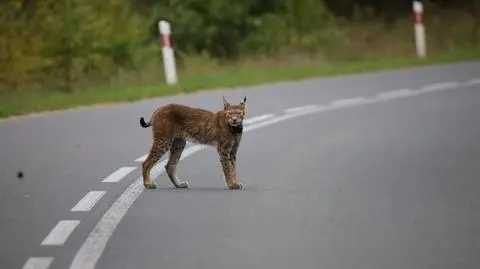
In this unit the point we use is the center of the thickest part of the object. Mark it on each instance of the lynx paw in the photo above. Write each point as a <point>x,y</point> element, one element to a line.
<point>235,186</point>
<point>183,185</point>
<point>150,186</point>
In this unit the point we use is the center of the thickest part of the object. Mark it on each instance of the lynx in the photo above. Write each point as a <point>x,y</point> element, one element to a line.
<point>175,124</point>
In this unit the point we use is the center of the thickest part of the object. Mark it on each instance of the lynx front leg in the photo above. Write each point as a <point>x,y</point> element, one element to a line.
<point>233,152</point>
<point>229,170</point>
<point>176,149</point>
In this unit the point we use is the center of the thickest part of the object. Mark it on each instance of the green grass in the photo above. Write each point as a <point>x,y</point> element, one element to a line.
<point>234,75</point>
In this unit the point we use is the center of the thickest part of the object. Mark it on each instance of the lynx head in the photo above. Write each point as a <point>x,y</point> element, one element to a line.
<point>234,113</point>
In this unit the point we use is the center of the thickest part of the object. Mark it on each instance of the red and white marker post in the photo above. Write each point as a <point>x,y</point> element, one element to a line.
<point>420,41</point>
<point>167,51</point>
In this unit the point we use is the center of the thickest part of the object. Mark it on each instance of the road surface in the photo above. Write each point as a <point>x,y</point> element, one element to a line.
<point>364,171</point>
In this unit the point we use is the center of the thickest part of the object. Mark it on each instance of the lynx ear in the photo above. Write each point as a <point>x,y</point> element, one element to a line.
<point>226,104</point>
<point>243,103</point>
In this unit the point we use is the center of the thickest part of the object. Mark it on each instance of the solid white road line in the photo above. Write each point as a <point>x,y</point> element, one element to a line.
<point>395,94</point>
<point>142,158</point>
<point>119,174</point>
<point>38,263</point>
<point>349,101</point>
<point>258,118</point>
<point>440,86</point>
<point>300,108</point>
<point>189,145</point>
<point>60,232</point>
<point>472,82</point>
<point>93,247</point>
<point>88,201</point>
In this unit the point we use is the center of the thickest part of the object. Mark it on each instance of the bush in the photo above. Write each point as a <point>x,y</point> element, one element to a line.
<point>63,45</point>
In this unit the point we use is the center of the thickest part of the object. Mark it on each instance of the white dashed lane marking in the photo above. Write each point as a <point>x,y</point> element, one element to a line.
<point>88,201</point>
<point>38,263</point>
<point>119,174</point>
<point>60,232</point>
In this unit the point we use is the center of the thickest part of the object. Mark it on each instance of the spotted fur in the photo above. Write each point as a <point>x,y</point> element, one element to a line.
<point>175,124</point>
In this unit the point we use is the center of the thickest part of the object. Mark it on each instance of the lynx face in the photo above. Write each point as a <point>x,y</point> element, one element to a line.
<point>234,114</point>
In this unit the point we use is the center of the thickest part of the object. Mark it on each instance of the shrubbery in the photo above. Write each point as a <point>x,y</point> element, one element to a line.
<point>65,44</point>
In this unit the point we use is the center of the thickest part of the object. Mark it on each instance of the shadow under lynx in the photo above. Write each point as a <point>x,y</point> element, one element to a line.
<point>175,124</point>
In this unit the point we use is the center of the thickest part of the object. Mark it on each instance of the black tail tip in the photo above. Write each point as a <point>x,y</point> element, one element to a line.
<point>143,123</point>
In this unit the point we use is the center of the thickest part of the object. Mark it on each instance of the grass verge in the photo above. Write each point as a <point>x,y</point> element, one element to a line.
<point>22,103</point>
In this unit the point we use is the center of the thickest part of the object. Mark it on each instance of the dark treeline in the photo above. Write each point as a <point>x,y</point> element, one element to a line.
<point>54,44</point>
<point>389,8</point>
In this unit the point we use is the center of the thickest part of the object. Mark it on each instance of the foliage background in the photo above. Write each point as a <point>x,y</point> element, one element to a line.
<point>65,45</point>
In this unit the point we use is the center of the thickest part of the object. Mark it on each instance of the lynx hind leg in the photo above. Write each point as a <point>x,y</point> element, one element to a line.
<point>176,149</point>
<point>158,149</point>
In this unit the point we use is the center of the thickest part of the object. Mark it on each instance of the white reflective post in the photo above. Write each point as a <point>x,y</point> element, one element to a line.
<point>167,51</point>
<point>420,41</point>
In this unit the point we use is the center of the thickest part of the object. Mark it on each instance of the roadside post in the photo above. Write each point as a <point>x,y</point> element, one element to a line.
<point>420,41</point>
<point>167,52</point>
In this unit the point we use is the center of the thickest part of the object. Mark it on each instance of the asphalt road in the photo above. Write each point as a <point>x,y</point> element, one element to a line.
<point>392,183</point>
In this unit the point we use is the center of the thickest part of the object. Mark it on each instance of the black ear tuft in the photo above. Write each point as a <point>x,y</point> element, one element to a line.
<point>244,99</point>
